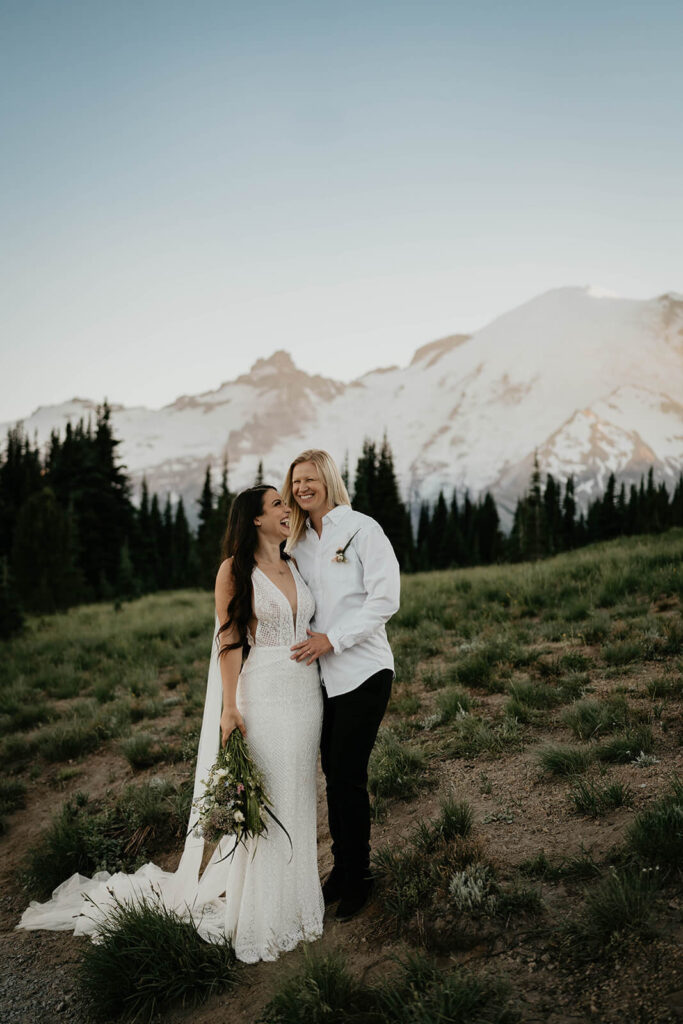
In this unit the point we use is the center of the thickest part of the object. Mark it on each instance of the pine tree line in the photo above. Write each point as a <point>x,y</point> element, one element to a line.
<point>70,532</point>
<point>546,520</point>
<point>448,533</point>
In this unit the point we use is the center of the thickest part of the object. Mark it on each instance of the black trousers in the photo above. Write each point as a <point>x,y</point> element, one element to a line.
<point>350,725</point>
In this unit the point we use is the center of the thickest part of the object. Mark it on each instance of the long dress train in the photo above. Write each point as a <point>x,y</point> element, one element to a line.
<point>273,898</point>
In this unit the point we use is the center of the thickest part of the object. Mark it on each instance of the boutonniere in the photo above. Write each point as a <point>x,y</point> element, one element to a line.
<point>340,553</point>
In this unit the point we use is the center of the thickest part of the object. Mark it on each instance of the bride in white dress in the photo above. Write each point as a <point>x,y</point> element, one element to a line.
<point>266,897</point>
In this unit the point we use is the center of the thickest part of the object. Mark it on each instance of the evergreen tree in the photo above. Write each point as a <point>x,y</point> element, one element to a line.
<point>211,535</point>
<point>21,475</point>
<point>662,519</point>
<point>168,571</point>
<point>552,516</point>
<point>581,531</point>
<point>145,555</point>
<point>620,510</point>
<point>225,499</point>
<point>127,583</point>
<point>593,521</point>
<point>43,559</point>
<point>489,537</point>
<point>365,484</point>
<point>389,510</point>
<point>11,615</point>
<point>208,542</point>
<point>156,531</point>
<point>259,474</point>
<point>641,509</point>
<point>206,502</point>
<point>517,541</point>
<point>182,548</point>
<point>651,523</point>
<point>84,474</point>
<point>113,488</point>
<point>631,519</point>
<point>469,532</point>
<point>676,510</point>
<point>453,541</point>
<point>437,541</point>
<point>607,526</point>
<point>569,515</point>
<point>424,527</point>
<point>535,519</point>
<point>376,494</point>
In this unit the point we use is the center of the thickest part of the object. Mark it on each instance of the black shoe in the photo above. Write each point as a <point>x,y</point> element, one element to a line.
<point>355,900</point>
<point>333,886</point>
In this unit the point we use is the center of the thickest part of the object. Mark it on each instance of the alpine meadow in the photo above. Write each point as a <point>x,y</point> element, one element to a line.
<point>527,798</point>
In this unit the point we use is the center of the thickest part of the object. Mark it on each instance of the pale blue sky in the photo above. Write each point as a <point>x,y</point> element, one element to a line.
<point>188,186</point>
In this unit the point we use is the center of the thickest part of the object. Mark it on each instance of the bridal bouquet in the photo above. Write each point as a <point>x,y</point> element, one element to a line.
<point>235,802</point>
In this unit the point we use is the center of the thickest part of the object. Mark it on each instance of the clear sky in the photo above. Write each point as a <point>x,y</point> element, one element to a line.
<point>187,186</point>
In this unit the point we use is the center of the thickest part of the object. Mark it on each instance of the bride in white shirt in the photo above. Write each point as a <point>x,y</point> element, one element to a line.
<point>350,567</point>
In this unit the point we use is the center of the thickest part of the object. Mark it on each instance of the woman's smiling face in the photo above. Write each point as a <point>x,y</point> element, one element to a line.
<point>274,519</point>
<point>308,489</point>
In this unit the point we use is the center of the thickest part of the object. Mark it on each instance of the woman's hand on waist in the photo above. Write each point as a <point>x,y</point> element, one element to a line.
<point>308,650</point>
<point>231,719</point>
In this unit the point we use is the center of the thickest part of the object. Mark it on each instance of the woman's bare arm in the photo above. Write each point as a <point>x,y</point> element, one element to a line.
<point>231,661</point>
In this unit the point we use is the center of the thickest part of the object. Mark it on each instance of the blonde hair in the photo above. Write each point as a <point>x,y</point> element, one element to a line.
<point>330,476</point>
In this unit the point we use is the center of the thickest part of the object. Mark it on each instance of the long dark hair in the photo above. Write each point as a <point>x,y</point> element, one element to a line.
<point>239,543</point>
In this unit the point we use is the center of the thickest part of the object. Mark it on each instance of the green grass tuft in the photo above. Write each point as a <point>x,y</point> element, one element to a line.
<point>395,769</point>
<point>427,994</point>
<point>455,820</point>
<point>12,795</point>
<point>563,760</point>
<point>622,653</point>
<point>589,718</point>
<point>656,835</point>
<point>471,736</point>
<point>621,903</point>
<point>325,992</point>
<point>141,750</point>
<point>535,695</point>
<point>590,798</point>
<point>147,959</point>
<point>626,748</point>
<point>17,751</point>
<point>453,702</point>
<point>665,687</point>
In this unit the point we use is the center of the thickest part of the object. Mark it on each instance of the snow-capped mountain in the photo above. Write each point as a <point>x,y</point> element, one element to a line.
<point>592,382</point>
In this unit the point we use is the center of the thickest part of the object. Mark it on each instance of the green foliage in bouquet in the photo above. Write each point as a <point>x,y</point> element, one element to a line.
<point>235,801</point>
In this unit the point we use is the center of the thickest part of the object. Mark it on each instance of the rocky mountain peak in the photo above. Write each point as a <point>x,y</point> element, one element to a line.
<point>279,362</point>
<point>433,351</point>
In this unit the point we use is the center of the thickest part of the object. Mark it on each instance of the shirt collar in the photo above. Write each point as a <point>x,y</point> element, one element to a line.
<point>333,516</point>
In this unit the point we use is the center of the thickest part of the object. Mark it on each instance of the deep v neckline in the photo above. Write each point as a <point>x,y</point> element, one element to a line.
<point>295,613</point>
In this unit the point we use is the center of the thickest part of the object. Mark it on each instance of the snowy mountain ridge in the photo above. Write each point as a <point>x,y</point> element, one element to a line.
<point>592,382</point>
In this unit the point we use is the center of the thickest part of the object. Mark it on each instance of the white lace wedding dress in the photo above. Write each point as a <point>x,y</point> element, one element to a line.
<point>273,898</point>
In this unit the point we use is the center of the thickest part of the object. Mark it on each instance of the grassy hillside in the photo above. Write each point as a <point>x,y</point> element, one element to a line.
<point>527,805</point>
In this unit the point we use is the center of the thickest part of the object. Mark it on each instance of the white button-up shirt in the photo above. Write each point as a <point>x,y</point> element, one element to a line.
<point>353,598</point>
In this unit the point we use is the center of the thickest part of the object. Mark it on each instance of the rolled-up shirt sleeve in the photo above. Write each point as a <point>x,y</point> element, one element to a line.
<point>382,583</point>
